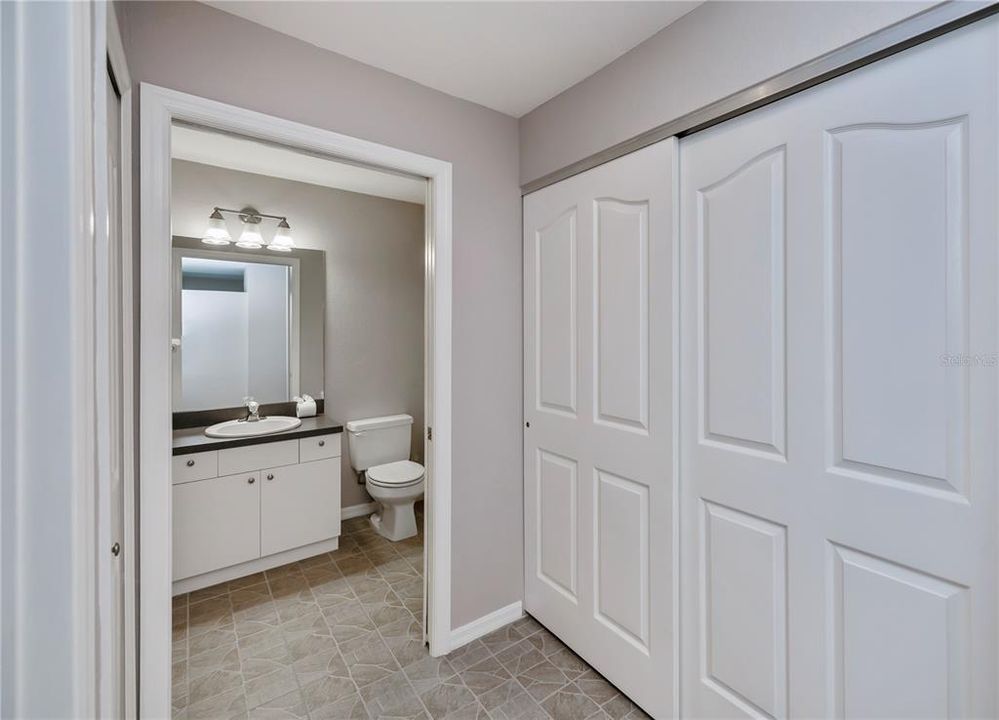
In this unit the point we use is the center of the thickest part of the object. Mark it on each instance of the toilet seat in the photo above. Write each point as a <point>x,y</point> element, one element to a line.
<point>395,474</point>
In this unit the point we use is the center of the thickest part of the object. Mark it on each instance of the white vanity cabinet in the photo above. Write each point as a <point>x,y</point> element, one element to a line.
<point>241,510</point>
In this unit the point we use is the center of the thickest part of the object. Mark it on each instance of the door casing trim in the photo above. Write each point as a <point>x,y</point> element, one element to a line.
<point>161,107</point>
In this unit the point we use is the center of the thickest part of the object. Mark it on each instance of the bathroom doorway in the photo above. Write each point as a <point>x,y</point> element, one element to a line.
<point>302,370</point>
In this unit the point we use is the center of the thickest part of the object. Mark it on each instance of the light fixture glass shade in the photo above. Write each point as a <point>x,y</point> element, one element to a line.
<point>216,233</point>
<point>282,241</point>
<point>250,239</point>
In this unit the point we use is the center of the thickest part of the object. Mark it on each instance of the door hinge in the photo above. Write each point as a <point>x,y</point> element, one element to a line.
<point>430,433</point>
<point>116,550</point>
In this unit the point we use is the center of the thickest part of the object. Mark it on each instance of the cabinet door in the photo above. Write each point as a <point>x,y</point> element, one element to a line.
<point>216,523</point>
<point>300,504</point>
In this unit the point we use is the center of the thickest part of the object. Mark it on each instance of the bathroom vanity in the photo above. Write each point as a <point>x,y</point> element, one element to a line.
<point>242,505</point>
<point>248,336</point>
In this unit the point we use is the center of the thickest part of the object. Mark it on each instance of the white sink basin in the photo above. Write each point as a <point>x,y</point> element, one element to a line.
<point>244,428</point>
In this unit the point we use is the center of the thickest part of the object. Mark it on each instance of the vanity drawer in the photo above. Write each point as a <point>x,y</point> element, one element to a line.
<point>319,447</point>
<point>196,466</point>
<point>258,457</point>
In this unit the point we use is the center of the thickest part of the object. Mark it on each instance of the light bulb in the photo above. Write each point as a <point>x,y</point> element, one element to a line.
<point>216,233</point>
<point>282,241</point>
<point>250,239</point>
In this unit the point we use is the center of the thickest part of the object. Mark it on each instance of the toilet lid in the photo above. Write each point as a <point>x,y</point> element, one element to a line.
<point>396,474</point>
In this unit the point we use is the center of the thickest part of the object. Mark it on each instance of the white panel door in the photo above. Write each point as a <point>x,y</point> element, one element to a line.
<point>598,442</point>
<point>839,396</point>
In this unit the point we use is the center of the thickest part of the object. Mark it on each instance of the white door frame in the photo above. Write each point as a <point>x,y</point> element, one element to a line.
<point>128,685</point>
<point>160,108</point>
<point>51,93</point>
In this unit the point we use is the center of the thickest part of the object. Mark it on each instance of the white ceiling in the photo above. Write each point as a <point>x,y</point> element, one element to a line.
<point>245,155</point>
<point>508,56</point>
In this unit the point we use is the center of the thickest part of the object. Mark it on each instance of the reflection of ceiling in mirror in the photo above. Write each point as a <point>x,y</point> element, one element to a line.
<point>245,155</point>
<point>213,267</point>
<point>216,275</point>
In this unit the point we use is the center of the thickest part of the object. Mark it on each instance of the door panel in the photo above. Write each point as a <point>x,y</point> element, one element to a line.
<point>555,283</point>
<point>621,567</point>
<point>882,668</point>
<point>741,236</point>
<point>744,585</point>
<point>897,192</point>
<point>557,491</point>
<point>620,241</point>
<point>216,523</point>
<point>838,419</point>
<point>598,446</point>
<point>299,505</point>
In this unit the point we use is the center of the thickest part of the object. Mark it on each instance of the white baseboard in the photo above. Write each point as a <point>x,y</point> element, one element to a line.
<point>486,624</point>
<point>353,511</point>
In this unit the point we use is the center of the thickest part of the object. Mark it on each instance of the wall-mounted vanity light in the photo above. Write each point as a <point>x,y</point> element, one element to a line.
<point>250,239</point>
<point>216,233</point>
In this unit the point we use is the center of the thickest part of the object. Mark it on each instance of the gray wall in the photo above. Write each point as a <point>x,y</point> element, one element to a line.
<point>718,48</point>
<point>197,49</point>
<point>374,286</point>
<point>715,50</point>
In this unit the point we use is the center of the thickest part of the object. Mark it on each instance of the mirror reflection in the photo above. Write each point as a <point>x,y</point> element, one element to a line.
<point>238,326</point>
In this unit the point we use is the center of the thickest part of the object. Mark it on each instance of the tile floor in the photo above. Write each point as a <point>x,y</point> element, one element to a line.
<point>338,637</point>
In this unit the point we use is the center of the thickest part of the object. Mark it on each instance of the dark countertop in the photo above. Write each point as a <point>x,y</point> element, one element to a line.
<point>193,440</point>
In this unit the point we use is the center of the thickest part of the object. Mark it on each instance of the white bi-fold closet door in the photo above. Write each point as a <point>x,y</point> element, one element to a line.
<point>838,372</point>
<point>598,446</point>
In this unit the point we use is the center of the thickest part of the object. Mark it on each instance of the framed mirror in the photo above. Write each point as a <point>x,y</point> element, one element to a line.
<point>245,324</point>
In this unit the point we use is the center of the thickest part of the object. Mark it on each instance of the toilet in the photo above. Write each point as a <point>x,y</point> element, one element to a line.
<point>379,448</point>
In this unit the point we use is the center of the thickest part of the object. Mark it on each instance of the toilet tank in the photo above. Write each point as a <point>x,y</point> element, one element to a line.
<point>379,440</point>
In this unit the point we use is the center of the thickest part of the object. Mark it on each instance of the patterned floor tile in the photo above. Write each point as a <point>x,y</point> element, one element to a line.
<point>231,704</point>
<point>485,676</point>
<point>290,706</point>
<point>499,640</point>
<point>445,698</point>
<point>393,697</point>
<point>370,661</point>
<point>542,680</point>
<point>569,663</point>
<point>520,657</point>
<point>265,688</point>
<point>328,663</point>
<point>325,692</point>
<point>339,636</point>
<point>570,703</point>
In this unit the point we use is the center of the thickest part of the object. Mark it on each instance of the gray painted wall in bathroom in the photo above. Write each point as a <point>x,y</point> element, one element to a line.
<point>374,286</point>
<point>193,48</point>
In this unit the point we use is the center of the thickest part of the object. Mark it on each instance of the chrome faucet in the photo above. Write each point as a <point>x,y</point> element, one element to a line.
<point>252,410</point>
